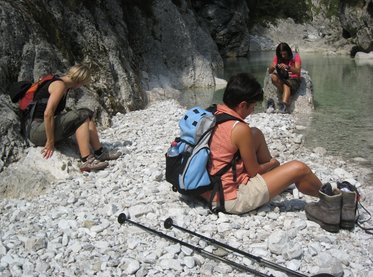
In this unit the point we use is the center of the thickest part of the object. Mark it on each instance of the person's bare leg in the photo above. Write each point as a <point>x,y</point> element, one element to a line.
<point>82,138</point>
<point>260,145</point>
<point>277,82</point>
<point>296,172</point>
<point>286,94</point>
<point>93,136</point>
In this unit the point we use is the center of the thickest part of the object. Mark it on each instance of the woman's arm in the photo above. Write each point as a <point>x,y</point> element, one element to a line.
<point>272,67</point>
<point>296,69</point>
<point>56,90</point>
<point>242,137</point>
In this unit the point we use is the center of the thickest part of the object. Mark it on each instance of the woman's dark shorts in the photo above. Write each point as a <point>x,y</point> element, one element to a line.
<point>65,125</point>
<point>294,85</point>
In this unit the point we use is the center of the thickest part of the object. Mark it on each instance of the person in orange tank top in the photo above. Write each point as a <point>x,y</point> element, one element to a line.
<point>259,176</point>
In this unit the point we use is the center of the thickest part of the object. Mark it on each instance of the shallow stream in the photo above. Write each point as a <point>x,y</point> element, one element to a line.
<point>342,122</point>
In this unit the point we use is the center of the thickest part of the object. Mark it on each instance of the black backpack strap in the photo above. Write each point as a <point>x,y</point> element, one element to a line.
<point>216,178</point>
<point>212,109</point>
<point>218,186</point>
<point>360,222</point>
<point>223,117</point>
<point>28,116</point>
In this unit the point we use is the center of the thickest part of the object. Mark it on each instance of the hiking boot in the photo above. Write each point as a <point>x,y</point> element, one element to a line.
<point>108,155</point>
<point>270,106</point>
<point>326,212</point>
<point>282,108</point>
<point>349,205</point>
<point>92,164</point>
<point>327,189</point>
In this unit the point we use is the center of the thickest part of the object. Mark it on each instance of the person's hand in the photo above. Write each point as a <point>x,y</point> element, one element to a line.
<point>283,66</point>
<point>275,162</point>
<point>48,150</point>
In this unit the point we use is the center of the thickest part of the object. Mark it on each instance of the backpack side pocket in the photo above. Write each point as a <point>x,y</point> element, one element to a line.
<point>195,176</point>
<point>173,169</point>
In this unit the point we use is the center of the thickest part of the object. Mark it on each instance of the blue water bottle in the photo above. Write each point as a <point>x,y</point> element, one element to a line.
<point>173,151</point>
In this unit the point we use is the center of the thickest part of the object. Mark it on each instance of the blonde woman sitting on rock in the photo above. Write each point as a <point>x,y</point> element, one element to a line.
<point>50,124</point>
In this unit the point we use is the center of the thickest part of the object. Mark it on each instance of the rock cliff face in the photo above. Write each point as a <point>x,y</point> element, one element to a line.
<point>227,22</point>
<point>357,21</point>
<point>145,50</point>
<point>132,46</point>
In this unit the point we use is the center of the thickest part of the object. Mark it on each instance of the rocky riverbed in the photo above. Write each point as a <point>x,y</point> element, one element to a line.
<point>67,225</point>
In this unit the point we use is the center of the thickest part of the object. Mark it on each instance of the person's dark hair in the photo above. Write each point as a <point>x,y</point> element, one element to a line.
<point>283,46</point>
<point>242,87</point>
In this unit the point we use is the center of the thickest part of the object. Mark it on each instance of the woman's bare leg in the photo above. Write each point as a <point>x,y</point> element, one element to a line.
<point>277,82</point>
<point>282,88</point>
<point>286,94</point>
<point>82,138</point>
<point>93,136</point>
<point>296,172</point>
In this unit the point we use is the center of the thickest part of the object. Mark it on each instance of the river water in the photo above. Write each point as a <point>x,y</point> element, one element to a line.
<point>342,122</point>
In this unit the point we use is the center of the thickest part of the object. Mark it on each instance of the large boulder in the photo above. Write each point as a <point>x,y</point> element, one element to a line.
<point>33,175</point>
<point>228,23</point>
<point>357,21</point>
<point>301,101</point>
<point>11,141</point>
<point>320,35</point>
<point>362,58</point>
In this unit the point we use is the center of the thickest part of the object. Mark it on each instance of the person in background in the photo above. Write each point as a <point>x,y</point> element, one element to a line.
<point>51,125</point>
<point>285,73</point>
<point>258,177</point>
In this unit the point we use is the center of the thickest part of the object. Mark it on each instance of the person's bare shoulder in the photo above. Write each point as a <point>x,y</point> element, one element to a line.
<point>57,86</point>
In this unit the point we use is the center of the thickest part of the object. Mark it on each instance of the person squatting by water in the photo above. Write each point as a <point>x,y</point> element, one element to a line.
<point>285,73</point>
<point>259,176</point>
<point>51,125</point>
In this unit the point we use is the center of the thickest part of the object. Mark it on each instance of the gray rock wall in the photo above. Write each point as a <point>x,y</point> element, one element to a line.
<point>143,50</point>
<point>132,47</point>
<point>227,22</point>
<point>357,20</point>
<point>334,27</point>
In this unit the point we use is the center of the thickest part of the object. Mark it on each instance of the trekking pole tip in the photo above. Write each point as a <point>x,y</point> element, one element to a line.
<point>122,218</point>
<point>168,223</point>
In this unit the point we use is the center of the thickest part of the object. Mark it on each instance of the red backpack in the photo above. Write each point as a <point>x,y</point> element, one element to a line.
<point>23,92</point>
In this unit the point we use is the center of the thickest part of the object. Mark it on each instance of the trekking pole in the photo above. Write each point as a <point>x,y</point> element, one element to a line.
<point>169,223</point>
<point>122,218</point>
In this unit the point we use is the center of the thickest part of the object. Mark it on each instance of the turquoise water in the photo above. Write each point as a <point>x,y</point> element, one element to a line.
<point>342,121</point>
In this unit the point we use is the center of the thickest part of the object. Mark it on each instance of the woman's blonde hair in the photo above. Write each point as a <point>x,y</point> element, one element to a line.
<point>79,73</point>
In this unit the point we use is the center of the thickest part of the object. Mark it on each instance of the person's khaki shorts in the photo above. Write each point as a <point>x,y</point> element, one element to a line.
<point>249,196</point>
<point>65,125</point>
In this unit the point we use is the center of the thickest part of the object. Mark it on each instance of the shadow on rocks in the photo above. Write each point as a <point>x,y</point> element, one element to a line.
<point>291,205</point>
<point>284,205</point>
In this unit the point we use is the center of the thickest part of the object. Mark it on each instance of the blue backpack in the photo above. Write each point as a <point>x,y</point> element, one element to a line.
<point>187,170</point>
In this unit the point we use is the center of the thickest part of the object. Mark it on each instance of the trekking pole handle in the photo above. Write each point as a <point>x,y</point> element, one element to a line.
<point>122,218</point>
<point>168,223</point>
